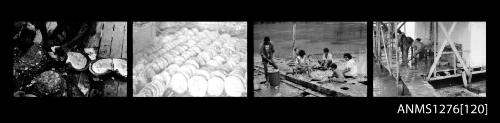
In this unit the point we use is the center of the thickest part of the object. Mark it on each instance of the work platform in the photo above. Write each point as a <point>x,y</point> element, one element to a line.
<point>354,87</point>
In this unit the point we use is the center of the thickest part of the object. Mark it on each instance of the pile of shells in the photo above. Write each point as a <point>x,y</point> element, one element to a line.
<point>192,62</point>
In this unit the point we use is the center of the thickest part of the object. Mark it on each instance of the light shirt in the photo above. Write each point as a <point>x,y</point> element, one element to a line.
<point>329,56</point>
<point>351,64</point>
<point>301,61</point>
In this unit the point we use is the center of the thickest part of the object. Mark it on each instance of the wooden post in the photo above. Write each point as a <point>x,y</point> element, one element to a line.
<point>454,64</point>
<point>118,34</point>
<point>397,55</point>
<point>106,41</point>
<point>400,25</point>
<point>378,41</point>
<point>386,55</point>
<point>293,39</point>
<point>435,44</point>
<point>470,77</point>
<point>375,41</point>
<point>124,45</point>
<point>464,79</point>
<point>397,46</point>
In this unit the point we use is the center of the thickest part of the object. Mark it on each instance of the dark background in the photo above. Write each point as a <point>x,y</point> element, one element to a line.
<point>247,109</point>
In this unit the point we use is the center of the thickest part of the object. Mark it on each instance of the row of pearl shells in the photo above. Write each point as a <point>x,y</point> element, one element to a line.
<point>206,60</point>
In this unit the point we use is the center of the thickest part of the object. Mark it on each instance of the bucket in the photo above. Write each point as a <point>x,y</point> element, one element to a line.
<point>273,79</point>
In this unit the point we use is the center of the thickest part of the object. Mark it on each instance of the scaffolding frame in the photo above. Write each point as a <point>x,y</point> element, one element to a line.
<point>390,43</point>
<point>467,74</point>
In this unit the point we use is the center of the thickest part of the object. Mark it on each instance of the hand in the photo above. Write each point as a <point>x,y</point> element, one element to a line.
<point>52,55</point>
<point>273,64</point>
<point>54,48</point>
<point>346,70</point>
<point>58,52</point>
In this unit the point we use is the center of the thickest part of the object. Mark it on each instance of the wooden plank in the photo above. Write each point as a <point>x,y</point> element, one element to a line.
<point>124,45</point>
<point>326,88</point>
<point>105,44</point>
<point>293,38</point>
<point>397,54</point>
<point>94,40</point>
<point>115,88</point>
<point>399,26</point>
<point>435,43</point>
<point>416,84</point>
<point>99,26</point>
<point>385,50</point>
<point>122,89</point>
<point>379,31</point>
<point>117,40</point>
<point>453,76</point>
<point>110,88</point>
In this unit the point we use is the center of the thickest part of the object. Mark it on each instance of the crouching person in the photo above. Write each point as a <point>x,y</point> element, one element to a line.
<point>337,75</point>
<point>351,69</point>
<point>302,63</point>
